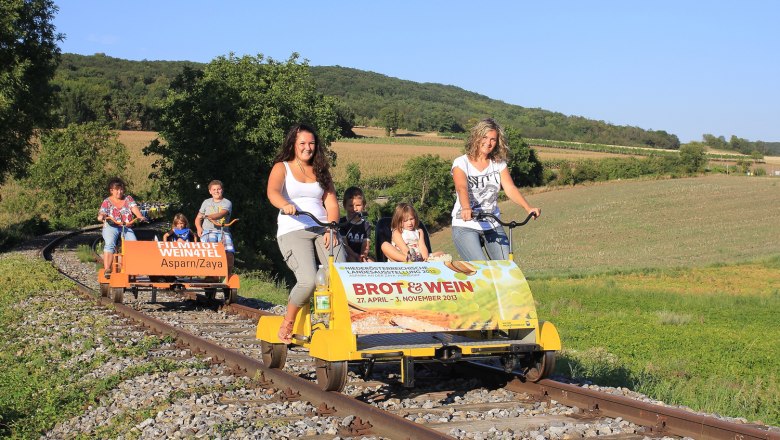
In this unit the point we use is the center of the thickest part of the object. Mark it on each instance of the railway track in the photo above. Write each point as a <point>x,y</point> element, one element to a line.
<point>463,401</point>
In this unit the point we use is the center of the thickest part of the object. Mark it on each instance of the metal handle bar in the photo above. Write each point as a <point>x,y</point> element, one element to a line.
<point>512,224</point>
<point>331,225</point>
<point>125,224</point>
<point>225,225</point>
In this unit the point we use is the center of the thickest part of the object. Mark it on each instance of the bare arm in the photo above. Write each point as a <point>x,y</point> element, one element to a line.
<point>274,190</point>
<point>217,215</point>
<point>514,194</point>
<point>392,253</point>
<point>462,191</point>
<point>332,209</point>
<point>199,223</point>
<point>137,212</point>
<point>364,250</point>
<point>331,204</point>
<point>399,243</point>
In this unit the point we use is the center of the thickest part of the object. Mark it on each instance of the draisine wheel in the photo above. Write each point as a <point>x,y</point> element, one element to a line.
<point>104,290</point>
<point>117,293</point>
<point>231,295</point>
<point>331,375</point>
<point>274,355</point>
<point>542,365</point>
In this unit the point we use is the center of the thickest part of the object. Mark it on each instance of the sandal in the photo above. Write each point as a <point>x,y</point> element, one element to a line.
<point>107,273</point>
<point>285,331</point>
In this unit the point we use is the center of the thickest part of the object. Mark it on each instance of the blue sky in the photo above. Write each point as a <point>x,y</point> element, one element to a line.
<point>682,66</point>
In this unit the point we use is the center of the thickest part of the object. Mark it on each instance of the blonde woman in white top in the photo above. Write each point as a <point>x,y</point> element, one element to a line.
<point>478,176</point>
<point>300,181</point>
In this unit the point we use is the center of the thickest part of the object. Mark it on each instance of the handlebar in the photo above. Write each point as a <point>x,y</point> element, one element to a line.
<point>225,225</point>
<point>125,224</point>
<point>511,224</point>
<point>331,225</point>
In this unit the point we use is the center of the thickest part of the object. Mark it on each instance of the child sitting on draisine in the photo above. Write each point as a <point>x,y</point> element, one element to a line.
<point>408,241</point>
<point>357,230</point>
<point>179,230</point>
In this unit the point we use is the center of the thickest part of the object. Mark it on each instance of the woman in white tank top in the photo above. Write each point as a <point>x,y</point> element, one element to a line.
<point>300,181</point>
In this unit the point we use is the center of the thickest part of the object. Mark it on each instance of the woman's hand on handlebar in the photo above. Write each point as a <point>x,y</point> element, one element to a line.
<point>127,224</point>
<point>288,209</point>
<point>327,239</point>
<point>536,212</point>
<point>510,224</point>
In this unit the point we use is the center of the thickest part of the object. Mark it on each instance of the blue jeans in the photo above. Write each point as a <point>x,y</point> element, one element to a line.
<point>467,241</point>
<point>215,236</point>
<point>111,236</point>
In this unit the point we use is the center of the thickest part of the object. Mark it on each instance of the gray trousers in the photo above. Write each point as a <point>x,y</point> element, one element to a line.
<point>302,250</point>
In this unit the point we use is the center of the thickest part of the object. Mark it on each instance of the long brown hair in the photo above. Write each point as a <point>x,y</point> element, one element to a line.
<point>319,160</point>
<point>401,211</point>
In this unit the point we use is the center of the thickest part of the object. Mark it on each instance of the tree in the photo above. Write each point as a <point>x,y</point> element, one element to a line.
<point>718,143</point>
<point>227,122</point>
<point>391,120</point>
<point>693,157</point>
<point>353,175</point>
<point>70,175</point>
<point>524,167</point>
<point>426,183</point>
<point>28,60</point>
<point>739,144</point>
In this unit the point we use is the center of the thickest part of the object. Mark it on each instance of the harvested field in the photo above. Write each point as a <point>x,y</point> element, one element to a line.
<point>547,153</point>
<point>380,160</point>
<point>140,167</point>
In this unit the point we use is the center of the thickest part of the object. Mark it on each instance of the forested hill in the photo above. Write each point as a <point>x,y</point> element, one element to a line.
<point>125,95</point>
<point>436,107</point>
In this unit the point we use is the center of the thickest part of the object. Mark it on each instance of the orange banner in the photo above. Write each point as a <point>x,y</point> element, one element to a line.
<point>174,258</point>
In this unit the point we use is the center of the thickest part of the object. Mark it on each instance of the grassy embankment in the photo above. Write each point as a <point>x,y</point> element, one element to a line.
<point>58,357</point>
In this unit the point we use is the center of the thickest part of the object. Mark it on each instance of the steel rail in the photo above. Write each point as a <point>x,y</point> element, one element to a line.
<point>369,419</point>
<point>661,420</point>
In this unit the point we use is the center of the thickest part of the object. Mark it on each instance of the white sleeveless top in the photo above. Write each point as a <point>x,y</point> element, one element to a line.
<point>305,197</point>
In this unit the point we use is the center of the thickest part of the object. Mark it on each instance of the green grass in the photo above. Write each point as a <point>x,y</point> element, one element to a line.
<point>263,287</point>
<point>640,224</point>
<point>85,254</point>
<point>43,369</point>
<point>714,351</point>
